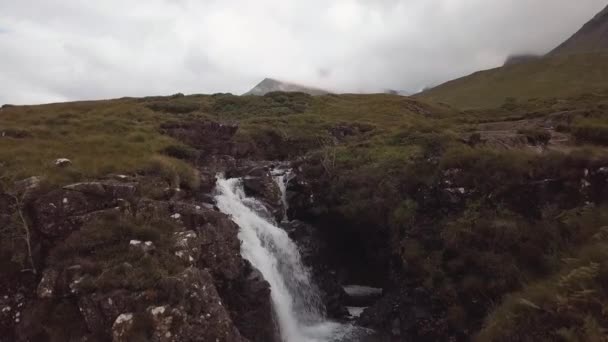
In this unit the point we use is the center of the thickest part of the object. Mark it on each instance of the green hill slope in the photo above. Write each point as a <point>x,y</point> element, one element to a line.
<point>555,76</point>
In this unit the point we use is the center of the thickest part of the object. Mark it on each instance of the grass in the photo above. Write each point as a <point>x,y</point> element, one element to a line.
<point>122,136</point>
<point>109,262</point>
<point>102,137</point>
<point>545,78</point>
<point>385,165</point>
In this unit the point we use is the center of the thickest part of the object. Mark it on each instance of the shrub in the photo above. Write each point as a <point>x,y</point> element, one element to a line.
<point>591,131</point>
<point>176,172</point>
<point>181,152</point>
<point>103,250</point>
<point>568,306</point>
<point>174,107</point>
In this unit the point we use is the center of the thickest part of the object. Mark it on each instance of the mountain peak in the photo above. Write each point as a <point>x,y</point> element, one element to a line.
<point>269,85</point>
<point>593,36</point>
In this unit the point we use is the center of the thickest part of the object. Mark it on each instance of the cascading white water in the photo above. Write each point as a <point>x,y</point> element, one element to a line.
<point>281,177</point>
<point>295,298</point>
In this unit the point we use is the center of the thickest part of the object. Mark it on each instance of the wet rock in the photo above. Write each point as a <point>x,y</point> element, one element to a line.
<point>316,254</point>
<point>251,307</point>
<point>265,189</point>
<point>144,246</point>
<point>46,287</point>
<point>95,319</point>
<point>122,327</point>
<point>381,313</point>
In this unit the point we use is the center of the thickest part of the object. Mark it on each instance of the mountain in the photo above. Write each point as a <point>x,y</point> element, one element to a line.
<point>593,36</point>
<point>269,85</point>
<point>397,92</point>
<point>551,76</point>
<point>579,65</point>
<point>518,59</point>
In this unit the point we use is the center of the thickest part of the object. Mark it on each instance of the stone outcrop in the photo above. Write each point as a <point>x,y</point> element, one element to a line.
<point>217,297</point>
<point>62,211</point>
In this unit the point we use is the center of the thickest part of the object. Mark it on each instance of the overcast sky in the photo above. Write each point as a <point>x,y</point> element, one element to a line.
<point>58,50</point>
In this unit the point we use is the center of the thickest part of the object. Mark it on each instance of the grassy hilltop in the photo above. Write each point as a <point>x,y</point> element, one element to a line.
<point>554,77</point>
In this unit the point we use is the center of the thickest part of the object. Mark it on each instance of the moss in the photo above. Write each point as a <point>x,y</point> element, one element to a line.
<point>103,246</point>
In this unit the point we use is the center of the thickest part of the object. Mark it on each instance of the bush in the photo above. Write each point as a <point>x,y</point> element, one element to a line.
<point>569,307</point>
<point>181,152</point>
<point>174,107</point>
<point>176,172</point>
<point>591,131</point>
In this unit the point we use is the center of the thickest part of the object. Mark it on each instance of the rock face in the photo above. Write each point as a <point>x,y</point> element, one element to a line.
<point>316,254</point>
<point>64,210</point>
<point>407,310</point>
<point>269,85</point>
<point>217,295</point>
<point>593,36</point>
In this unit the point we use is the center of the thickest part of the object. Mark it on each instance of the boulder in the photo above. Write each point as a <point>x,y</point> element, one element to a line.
<point>266,190</point>
<point>122,327</point>
<point>64,210</point>
<point>195,303</point>
<point>251,308</point>
<point>62,162</point>
<point>48,282</point>
<point>26,188</point>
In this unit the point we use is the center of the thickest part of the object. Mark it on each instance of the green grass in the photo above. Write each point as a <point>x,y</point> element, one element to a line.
<point>102,137</point>
<point>550,77</point>
<point>381,161</point>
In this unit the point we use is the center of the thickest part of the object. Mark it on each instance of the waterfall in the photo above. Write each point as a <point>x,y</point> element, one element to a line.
<point>281,177</point>
<point>295,298</point>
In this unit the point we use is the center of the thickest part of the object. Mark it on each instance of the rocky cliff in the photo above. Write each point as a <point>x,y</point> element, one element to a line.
<point>115,259</point>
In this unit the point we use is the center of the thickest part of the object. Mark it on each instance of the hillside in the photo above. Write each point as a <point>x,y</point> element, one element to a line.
<point>269,85</point>
<point>549,77</point>
<point>593,36</point>
<point>449,211</point>
<point>579,65</point>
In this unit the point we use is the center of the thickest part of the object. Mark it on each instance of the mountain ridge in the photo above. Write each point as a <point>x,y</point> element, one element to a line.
<point>578,65</point>
<point>593,36</point>
<point>269,85</point>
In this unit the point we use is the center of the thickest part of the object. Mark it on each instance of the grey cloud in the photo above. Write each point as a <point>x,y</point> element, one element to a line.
<point>58,50</point>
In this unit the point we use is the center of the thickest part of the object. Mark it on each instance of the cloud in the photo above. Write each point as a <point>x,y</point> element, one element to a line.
<point>59,50</point>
